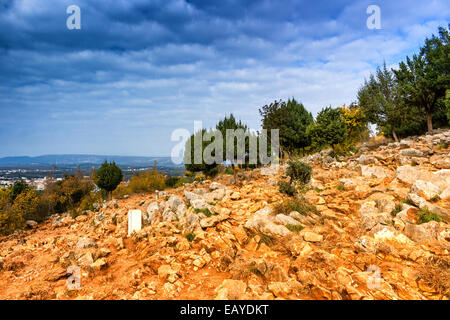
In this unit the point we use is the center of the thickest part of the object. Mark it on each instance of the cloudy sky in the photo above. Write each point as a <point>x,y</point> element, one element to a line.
<point>137,70</point>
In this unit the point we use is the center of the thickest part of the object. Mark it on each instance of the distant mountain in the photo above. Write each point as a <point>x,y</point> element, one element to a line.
<point>83,159</point>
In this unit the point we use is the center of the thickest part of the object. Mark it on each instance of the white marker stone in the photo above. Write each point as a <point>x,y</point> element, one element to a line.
<point>134,221</point>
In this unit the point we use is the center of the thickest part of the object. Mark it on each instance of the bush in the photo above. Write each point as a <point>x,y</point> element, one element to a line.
<point>200,177</point>
<point>299,171</point>
<point>190,237</point>
<point>426,215</point>
<point>286,188</point>
<point>147,181</point>
<point>17,188</point>
<point>28,205</point>
<point>300,205</point>
<point>87,203</point>
<point>171,181</point>
<point>66,194</point>
<point>121,190</point>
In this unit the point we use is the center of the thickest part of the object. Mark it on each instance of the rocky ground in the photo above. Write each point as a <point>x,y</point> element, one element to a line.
<point>363,242</point>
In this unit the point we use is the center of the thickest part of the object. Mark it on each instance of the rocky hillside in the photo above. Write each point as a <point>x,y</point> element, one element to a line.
<point>367,238</point>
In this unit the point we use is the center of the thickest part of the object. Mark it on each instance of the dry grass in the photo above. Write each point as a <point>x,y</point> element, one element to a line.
<point>435,273</point>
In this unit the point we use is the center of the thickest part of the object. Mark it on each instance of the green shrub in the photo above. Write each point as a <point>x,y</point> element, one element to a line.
<point>299,171</point>
<point>171,181</point>
<point>340,187</point>
<point>300,205</point>
<point>206,212</point>
<point>294,227</point>
<point>190,237</point>
<point>396,210</point>
<point>286,188</point>
<point>229,171</point>
<point>17,188</point>
<point>426,215</point>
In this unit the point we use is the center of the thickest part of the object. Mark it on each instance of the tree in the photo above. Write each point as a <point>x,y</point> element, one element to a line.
<point>291,119</point>
<point>329,129</point>
<point>380,101</point>
<point>189,154</point>
<point>424,78</point>
<point>17,188</point>
<point>299,121</point>
<point>109,176</point>
<point>447,104</point>
<point>355,120</point>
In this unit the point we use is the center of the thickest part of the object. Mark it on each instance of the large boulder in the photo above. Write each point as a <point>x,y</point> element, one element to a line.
<point>199,204</point>
<point>441,178</point>
<point>409,174</point>
<point>426,190</point>
<point>285,220</point>
<point>411,153</point>
<point>371,217</point>
<point>375,172</point>
<point>424,204</point>
<point>174,202</point>
<point>191,196</point>
<point>215,186</point>
<point>445,195</point>
<point>364,159</point>
<point>263,221</point>
<point>423,232</point>
<point>152,214</point>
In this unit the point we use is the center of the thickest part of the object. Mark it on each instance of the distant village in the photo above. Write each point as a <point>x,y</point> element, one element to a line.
<point>38,183</point>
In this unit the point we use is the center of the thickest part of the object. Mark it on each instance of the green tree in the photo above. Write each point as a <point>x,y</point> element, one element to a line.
<point>17,188</point>
<point>329,129</point>
<point>291,119</point>
<point>189,153</point>
<point>424,78</point>
<point>379,99</point>
<point>299,121</point>
<point>447,104</point>
<point>109,176</point>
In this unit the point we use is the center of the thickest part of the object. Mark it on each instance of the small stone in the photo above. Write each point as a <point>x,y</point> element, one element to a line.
<point>312,237</point>
<point>235,196</point>
<point>99,264</point>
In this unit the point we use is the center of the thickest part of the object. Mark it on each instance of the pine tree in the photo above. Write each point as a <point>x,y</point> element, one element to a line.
<point>109,176</point>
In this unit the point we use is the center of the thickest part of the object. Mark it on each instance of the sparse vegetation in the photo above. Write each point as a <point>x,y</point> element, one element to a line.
<point>299,171</point>
<point>190,237</point>
<point>426,215</point>
<point>396,210</point>
<point>299,204</point>
<point>206,212</point>
<point>294,227</point>
<point>286,188</point>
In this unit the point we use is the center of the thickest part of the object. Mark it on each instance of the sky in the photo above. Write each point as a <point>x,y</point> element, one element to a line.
<point>137,70</point>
